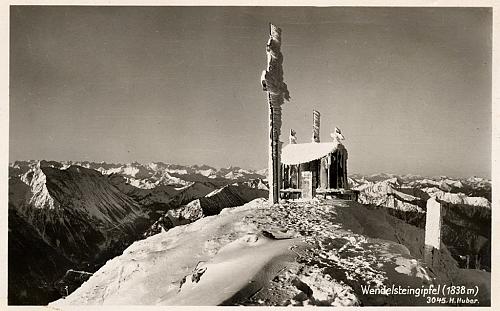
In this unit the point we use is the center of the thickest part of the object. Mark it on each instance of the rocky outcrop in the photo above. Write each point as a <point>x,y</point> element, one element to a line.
<point>257,183</point>
<point>211,204</point>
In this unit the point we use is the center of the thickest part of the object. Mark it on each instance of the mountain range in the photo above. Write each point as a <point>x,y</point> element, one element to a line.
<point>466,218</point>
<point>66,219</point>
<point>78,215</point>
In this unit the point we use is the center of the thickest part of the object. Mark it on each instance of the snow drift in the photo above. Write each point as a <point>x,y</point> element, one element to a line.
<point>294,253</point>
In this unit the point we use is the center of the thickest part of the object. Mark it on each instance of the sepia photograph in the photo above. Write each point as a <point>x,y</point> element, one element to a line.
<point>270,156</point>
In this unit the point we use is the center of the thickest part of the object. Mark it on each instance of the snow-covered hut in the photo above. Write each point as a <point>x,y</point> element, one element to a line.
<point>327,163</point>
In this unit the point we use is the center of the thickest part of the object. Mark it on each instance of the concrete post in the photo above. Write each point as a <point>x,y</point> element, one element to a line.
<point>433,222</point>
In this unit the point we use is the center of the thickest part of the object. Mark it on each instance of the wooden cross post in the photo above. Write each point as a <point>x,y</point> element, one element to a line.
<point>277,92</point>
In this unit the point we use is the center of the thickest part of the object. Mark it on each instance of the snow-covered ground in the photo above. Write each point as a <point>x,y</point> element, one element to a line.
<point>192,264</point>
<point>315,252</point>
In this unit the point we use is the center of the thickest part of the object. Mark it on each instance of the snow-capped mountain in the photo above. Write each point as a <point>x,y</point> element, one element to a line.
<point>158,173</point>
<point>78,214</point>
<point>466,202</point>
<point>81,199</point>
<point>83,213</point>
<point>386,193</point>
<point>375,188</point>
<point>73,216</point>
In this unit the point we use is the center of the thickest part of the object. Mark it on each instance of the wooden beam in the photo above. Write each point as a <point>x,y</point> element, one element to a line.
<point>329,164</point>
<point>277,92</point>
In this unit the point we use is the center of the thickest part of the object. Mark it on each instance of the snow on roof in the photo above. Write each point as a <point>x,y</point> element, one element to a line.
<point>303,153</point>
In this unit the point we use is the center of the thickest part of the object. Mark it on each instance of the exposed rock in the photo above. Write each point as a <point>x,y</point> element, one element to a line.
<point>211,204</point>
<point>39,194</point>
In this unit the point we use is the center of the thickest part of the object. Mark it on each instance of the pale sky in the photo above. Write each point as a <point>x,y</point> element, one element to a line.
<point>410,88</point>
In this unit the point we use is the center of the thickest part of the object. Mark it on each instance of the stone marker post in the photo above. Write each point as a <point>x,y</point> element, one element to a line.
<point>307,185</point>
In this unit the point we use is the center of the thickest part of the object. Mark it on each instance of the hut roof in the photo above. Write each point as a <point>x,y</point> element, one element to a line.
<point>303,153</point>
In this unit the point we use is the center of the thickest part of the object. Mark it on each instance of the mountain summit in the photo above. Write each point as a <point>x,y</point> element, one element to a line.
<point>320,252</point>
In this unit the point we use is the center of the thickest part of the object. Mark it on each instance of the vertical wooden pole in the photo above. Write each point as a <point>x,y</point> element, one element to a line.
<point>274,152</point>
<point>329,164</point>
<point>298,177</point>
<point>345,170</point>
<point>273,170</point>
<point>287,177</point>
<point>283,176</point>
<point>316,124</point>
<point>277,92</point>
<point>341,170</point>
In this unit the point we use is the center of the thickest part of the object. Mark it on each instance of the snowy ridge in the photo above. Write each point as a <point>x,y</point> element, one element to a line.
<point>116,282</point>
<point>385,193</point>
<point>457,198</point>
<point>281,255</point>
